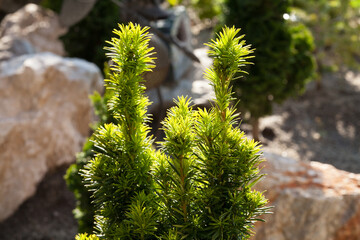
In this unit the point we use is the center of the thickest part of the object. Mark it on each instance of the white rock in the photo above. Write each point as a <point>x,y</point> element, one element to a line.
<point>38,26</point>
<point>44,120</point>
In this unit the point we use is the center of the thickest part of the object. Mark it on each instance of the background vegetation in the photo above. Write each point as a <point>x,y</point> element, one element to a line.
<point>335,27</point>
<point>283,61</point>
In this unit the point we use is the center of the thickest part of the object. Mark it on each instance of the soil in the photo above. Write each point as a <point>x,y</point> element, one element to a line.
<point>321,125</point>
<point>45,216</point>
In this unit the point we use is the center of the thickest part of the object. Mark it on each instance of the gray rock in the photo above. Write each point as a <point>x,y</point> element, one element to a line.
<point>181,32</point>
<point>45,114</point>
<point>14,46</point>
<point>159,74</point>
<point>191,84</point>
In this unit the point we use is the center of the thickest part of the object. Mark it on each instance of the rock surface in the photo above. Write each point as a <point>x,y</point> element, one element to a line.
<point>44,119</point>
<point>311,200</point>
<point>13,5</point>
<point>191,84</point>
<point>30,25</point>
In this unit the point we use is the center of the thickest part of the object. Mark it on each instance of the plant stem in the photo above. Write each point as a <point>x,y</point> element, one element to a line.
<point>183,204</point>
<point>254,121</point>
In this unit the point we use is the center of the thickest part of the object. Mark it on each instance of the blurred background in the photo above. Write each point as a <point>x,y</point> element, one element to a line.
<point>300,99</point>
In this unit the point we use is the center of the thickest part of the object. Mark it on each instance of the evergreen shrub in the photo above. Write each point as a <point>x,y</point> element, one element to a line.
<point>198,185</point>
<point>283,62</point>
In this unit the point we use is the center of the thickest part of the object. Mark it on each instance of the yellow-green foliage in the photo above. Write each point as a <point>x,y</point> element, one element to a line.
<point>85,236</point>
<point>198,185</point>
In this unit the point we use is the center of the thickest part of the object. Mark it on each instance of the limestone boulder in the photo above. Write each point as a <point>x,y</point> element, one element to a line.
<point>31,25</point>
<point>45,114</point>
<point>311,200</point>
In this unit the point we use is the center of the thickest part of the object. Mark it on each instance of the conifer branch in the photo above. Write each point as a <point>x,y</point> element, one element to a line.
<point>228,160</point>
<point>120,173</point>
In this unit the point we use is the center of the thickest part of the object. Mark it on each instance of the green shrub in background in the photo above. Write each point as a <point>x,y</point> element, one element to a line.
<point>207,8</point>
<point>86,39</point>
<point>283,61</point>
<point>198,184</point>
<point>335,27</point>
<point>54,5</point>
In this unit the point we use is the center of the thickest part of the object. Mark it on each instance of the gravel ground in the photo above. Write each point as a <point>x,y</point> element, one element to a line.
<point>321,126</point>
